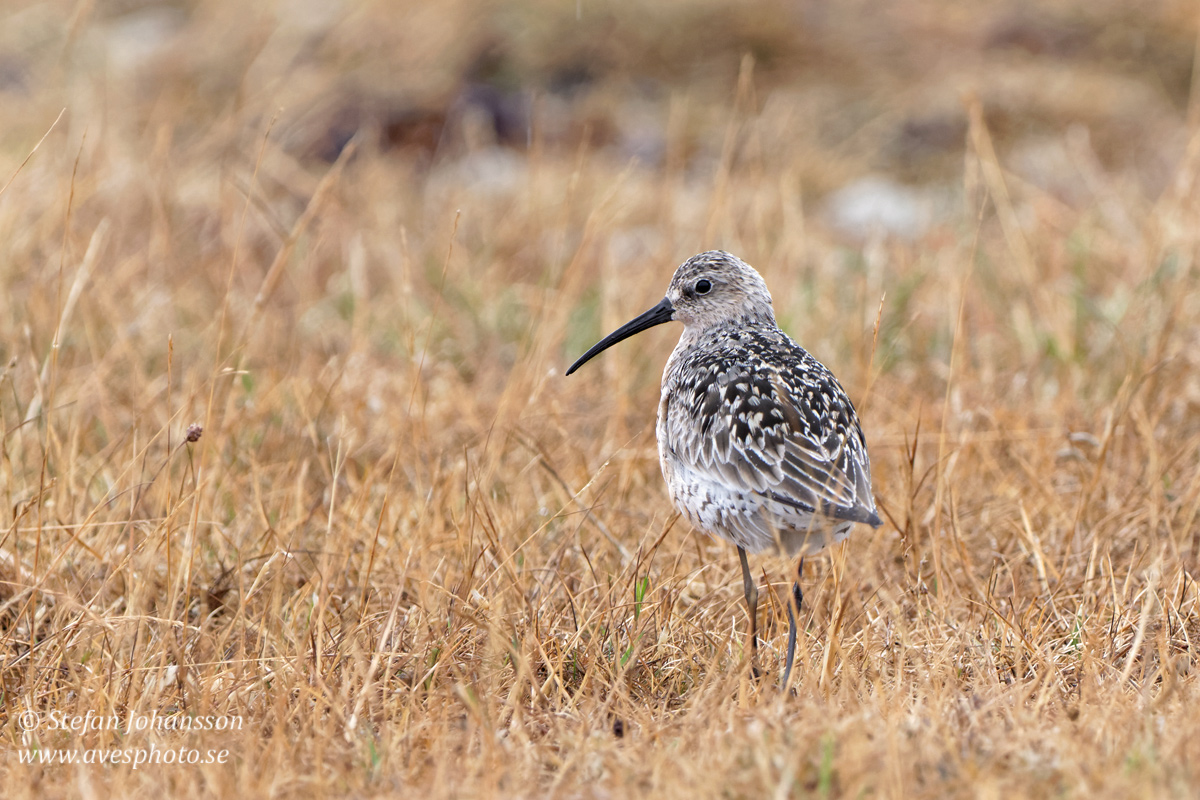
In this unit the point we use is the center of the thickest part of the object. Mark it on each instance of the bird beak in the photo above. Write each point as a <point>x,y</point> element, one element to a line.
<point>663,312</point>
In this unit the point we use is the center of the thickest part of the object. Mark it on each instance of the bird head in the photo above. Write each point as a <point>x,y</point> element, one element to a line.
<point>709,289</point>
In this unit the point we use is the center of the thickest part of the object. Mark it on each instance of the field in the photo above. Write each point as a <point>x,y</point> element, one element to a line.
<point>288,457</point>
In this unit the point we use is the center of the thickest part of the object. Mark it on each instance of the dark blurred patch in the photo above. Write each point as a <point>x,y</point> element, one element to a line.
<point>1039,36</point>
<point>503,113</point>
<point>399,124</point>
<point>925,145</point>
<point>572,78</point>
<point>13,74</point>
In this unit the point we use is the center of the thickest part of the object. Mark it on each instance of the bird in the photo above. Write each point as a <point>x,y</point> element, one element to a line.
<point>758,442</point>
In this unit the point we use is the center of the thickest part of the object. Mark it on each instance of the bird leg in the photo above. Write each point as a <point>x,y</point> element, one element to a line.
<point>751,590</point>
<point>793,610</point>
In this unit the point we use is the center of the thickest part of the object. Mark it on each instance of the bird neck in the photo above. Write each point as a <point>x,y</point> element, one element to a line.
<point>731,329</point>
<point>728,326</point>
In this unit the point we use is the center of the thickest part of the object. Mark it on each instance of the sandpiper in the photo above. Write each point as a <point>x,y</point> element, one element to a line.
<point>758,442</point>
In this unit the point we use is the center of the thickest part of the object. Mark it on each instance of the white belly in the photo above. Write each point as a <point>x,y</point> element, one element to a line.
<point>746,518</point>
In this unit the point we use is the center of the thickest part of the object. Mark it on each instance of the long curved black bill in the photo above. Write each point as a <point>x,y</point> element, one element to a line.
<point>656,316</point>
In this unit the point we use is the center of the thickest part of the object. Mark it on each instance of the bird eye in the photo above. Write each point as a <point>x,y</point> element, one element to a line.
<point>703,286</point>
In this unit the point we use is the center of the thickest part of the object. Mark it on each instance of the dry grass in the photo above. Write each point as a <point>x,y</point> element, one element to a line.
<point>414,558</point>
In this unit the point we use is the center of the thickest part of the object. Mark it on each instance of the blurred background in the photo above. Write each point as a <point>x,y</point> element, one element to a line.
<point>861,107</point>
<point>811,135</point>
<point>856,114</point>
<point>359,243</point>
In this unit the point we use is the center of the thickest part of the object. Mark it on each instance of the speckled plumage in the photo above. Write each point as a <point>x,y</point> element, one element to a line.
<point>754,434</point>
<point>758,442</point>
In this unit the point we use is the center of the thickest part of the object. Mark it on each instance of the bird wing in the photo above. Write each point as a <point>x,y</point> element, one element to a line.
<point>788,434</point>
